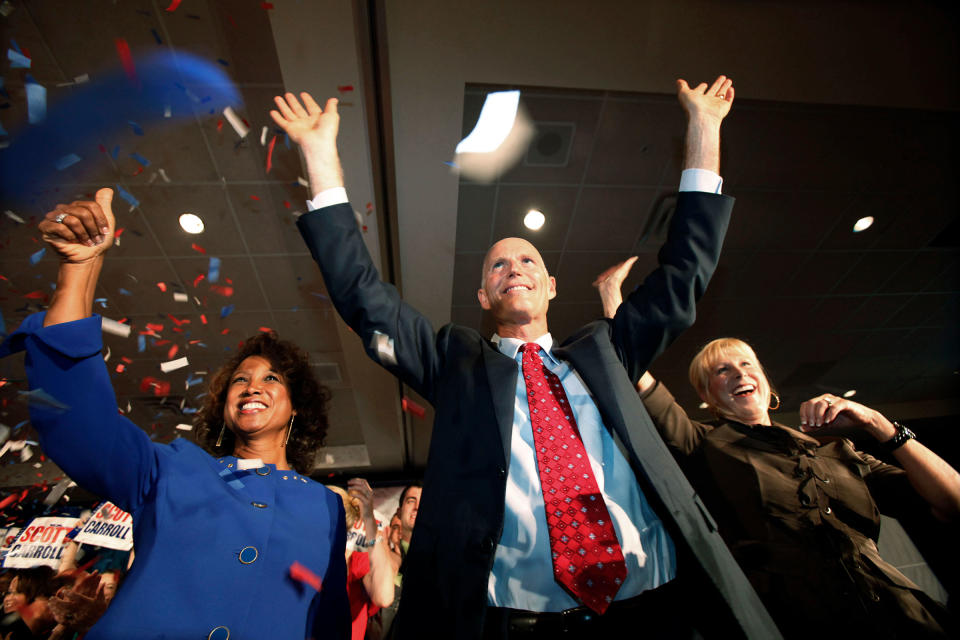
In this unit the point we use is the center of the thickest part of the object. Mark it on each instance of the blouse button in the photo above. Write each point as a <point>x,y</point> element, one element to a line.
<point>219,633</point>
<point>248,555</point>
<point>259,505</point>
<point>263,471</point>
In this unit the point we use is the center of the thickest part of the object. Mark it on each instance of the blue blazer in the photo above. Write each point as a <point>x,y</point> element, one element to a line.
<point>472,387</point>
<point>213,544</point>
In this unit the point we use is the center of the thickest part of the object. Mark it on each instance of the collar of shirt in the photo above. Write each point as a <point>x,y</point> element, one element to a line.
<point>510,346</point>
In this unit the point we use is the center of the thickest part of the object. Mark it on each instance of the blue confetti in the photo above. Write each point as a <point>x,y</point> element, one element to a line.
<point>18,60</point>
<point>115,152</point>
<point>101,301</point>
<point>126,195</point>
<point>451,164</point>
<point>156,36</point>
<point>193,380</point>
<point>38,256</point>
<point>213,271</point>
<point>17,426</point>
<point>124,291</point>
<point>16,47</point>
<point>286,140</point>
<point>137,129</point>
<point>223,62</point>
<point>67,161</point>
<point>38,398</point>
<point>225,311</point>
<point>36,102</point>
<point>139,158</point>
<point>141,343</point>
<point>189,410</point>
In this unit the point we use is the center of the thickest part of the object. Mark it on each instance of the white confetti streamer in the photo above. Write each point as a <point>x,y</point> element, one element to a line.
<point>173,365</point>
<point>235,122</point>
<point>115,328</point>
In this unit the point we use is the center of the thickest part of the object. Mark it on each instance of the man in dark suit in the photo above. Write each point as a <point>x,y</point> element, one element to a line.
<point>498,552</point>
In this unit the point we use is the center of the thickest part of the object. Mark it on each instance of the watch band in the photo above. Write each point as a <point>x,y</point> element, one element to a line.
<point>900,437</point>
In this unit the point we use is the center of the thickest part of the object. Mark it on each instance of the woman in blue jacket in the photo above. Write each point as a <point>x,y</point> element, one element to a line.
<point>216,535</point>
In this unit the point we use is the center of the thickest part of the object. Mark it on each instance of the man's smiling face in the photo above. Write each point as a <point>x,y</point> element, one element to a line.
<point>516,286</point>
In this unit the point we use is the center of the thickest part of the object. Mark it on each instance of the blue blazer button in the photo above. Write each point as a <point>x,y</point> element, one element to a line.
<point>219,633</point>
<point>248,555</point>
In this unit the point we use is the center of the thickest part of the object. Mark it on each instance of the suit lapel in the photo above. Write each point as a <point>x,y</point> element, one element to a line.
<point>502,376</point>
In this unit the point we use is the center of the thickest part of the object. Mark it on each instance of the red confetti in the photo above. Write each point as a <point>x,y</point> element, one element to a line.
<point>138,171</point>
<point>159,387</point>
<point>254,198</point>
<point>161,343</point>
<point>286,204</point>
<point>102,148</point>
<point>119,232</point>
<point>265,329</point>
<point>9,500</point>
<point>154,326</point>
<point>369,206</point>
<point>232,21</point>
<point>197,247</point>
<point>121,368</point>
<point>126,58</point>
<point>225,332</point>
<point>229,281</point>
<point>273,143</point>
<point>267,6</point>
<point>162,286</point>
<point>35,295</point>
<point>203,318</point>
<point>197,280</point>
<point>226,292</point>
<point>301,574</point>
<point>413,408</point>
<point>171,354</point>
<point>219,126</point>
<point>178,322</point>
<point>343,88</point>
<point>173,5</point>
<point>126,359</point>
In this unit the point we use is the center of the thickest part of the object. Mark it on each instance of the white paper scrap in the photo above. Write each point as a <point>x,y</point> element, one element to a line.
<point>173,365</point>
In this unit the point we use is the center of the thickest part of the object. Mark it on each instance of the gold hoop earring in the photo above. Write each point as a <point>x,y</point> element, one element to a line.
<point>289,431</point>
<point>220,437</point>
<point>777,398</point>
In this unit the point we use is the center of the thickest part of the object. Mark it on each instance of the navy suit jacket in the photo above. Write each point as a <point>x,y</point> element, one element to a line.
<point>472,386</point>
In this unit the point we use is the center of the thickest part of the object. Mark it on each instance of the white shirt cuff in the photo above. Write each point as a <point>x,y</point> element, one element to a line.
<point>336,195</point>
<point>698,180</point>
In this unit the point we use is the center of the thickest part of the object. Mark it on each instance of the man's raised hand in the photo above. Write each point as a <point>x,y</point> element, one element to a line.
<point>307,124</point>
<point>711,102</point>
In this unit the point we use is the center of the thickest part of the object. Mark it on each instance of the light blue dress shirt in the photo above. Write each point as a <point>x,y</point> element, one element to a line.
<point>522,575</point>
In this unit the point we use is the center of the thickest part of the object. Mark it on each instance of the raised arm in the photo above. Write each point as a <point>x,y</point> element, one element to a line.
<point>379,580</point>
<point>89,440</point>
<point>706,107</point>
<point>394,334</point>
<point>936,481</point>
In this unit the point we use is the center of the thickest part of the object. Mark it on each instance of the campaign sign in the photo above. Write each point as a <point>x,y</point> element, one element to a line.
<point>40,543</point>
<point>110,527</point>
<point>7,536</point>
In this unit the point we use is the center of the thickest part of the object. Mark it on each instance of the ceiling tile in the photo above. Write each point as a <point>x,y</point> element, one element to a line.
<point>609,219</point>
<point>556,203</point>
<point>475,208</point>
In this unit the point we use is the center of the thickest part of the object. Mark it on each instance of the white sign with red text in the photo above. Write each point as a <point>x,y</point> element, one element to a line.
<point>110,527</point>
<point>40,543</point>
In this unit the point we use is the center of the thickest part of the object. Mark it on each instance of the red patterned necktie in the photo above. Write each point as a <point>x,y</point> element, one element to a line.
<point>587,558</point>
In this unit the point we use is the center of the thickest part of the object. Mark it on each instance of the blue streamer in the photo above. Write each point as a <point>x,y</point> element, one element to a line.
<point>225,311</point>
<point>141,343</point>
<point>38,256</point>
<point>139,158</point>
<point>18,60</point>
<point>126,195</point>
<point>36,103</point>
<point>101,109</point>
<point>67,161</point>
<point>213,270</point>
<point>137,129</point>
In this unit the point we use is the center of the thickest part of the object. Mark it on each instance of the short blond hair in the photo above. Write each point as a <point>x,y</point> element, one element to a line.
<point>702,363</point>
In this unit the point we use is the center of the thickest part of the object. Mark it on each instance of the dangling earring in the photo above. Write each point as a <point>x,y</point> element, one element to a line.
<point>220,437</point>
<point>777,398</point>
<point>289,430</point>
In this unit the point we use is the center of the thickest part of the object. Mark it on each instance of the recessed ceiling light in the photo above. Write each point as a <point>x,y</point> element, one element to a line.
<point>534,219</point>
<point>191,223</point>
<point>704,405</point>
<point>850,393</point>
<point>862,224</point>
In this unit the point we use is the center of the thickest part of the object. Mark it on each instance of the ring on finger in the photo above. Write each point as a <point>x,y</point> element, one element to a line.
<point>828,401</point>
<point>60,217</point>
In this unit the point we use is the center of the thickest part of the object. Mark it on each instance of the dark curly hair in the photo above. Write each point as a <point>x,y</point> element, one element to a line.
<point>307,396</point>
